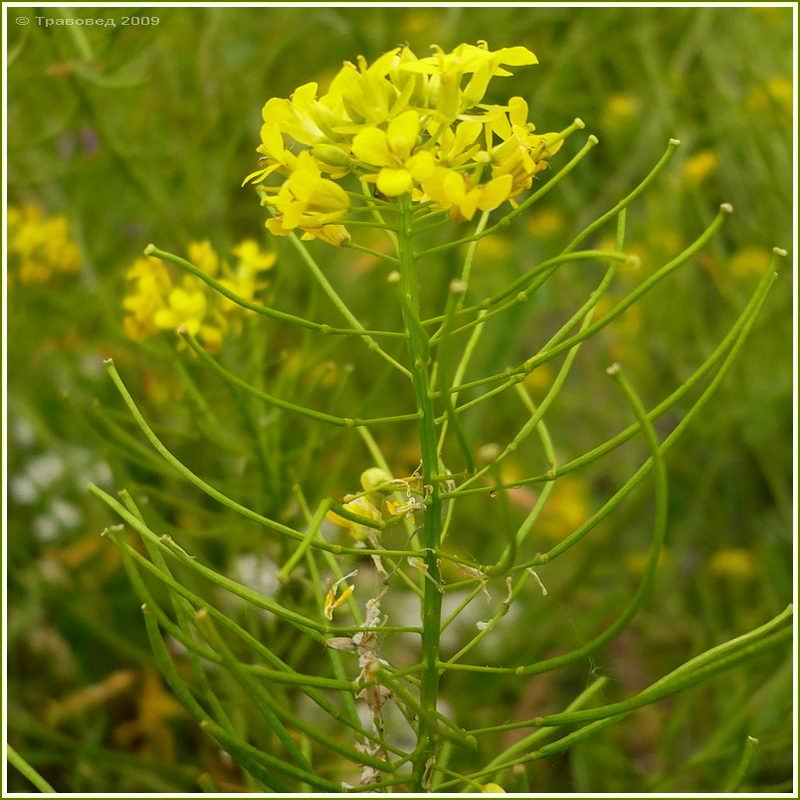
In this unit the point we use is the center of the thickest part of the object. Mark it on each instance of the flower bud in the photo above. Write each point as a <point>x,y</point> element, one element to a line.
<point>331,155</point>
<point>375,477</point>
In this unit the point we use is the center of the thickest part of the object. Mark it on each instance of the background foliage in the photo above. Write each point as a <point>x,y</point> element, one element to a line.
<point>142,134</point>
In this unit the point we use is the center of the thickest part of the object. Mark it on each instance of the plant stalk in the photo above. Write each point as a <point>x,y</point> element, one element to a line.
<point>419,353</point>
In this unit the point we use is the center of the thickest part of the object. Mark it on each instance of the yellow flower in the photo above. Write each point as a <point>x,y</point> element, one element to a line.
<point>155,302</point>
<point>152,283</point>
<point>619,108</point>
<point>252,259</point>
<point>40,245</point>
<point>447,70</point>
<point>699,167</point>
<point>334,599</point>
<point>492,788</point>
<point>203,255</point>
<point>310,202</point>
<point>361,506</point>
<point>34,272</point>
<point>566,509</point>
<point>735,563</point>
<point>774,94</point>
<point>548,223</point>
<point>364,91</point>
<point>748,261</point>
<point>391,150</point>
<point>412,126</point>
<point>454,190</point>
<point>183,308</point>
<point>521,153</point>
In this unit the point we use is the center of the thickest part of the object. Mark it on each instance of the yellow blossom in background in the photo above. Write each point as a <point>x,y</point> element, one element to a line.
<point>245,278</point>
<point>150,282</point>
<point>666,239</point>
<point>775,93</point>
<point>548,223</point>
<point>539,380</point>
<point>492,788</point>
<point>618,110</point>
<point>566,509</point>
<point>157,300</point>
<point>496,248</point>
<point>40,245</point>
<point>410,126</point>
<point>636,562</point>
<point>203,255</point>
<point>252,259</point>
<point>735,563</point>
<point>183,308</point>
<point>699,167</point>
<point>748,262</point>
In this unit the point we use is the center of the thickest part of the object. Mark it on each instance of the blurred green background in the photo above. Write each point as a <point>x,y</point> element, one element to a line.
<point>140,133</point>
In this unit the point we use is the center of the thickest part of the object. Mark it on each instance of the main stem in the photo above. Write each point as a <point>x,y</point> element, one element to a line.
<point>419,352</point>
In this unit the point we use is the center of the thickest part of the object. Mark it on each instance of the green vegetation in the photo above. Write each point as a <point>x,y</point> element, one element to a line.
<point>445,507</point>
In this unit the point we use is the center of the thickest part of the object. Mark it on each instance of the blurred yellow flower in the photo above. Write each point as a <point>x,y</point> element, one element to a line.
<point>203,255</point>
<point>636,562</point>
<point>151,283</point>
<point>747,262</point>
<point>548,223</point>
<point>252,259</point>
<point>540,380</point>
<point>775,93</point>
<point>40,245</point>
<point>566,509</point>
<point>492,788</point>
<point>699,167</point>
<point>619,108</point>
<point>735,563</point>
<point>157,302</point>
<point>182,308</point>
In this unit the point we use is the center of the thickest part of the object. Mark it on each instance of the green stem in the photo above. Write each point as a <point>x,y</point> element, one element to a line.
<point>303,411</point>
<point>16,760</point>
<point>742,768</point>
<point>265,311</point>
<point>419,352</point>
<point>548,354</point>
<point>521,288</point>
<point>729,346</point>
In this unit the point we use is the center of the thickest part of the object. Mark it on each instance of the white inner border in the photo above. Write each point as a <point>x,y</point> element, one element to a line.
<point>792,255</point>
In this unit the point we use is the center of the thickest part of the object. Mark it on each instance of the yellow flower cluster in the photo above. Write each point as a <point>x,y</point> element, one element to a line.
<point>410,126</point>
<point>41,245</point>
<point>157,302</point>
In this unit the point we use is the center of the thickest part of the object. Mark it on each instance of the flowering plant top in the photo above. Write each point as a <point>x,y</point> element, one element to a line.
<point>407,126</point>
